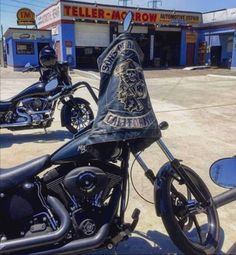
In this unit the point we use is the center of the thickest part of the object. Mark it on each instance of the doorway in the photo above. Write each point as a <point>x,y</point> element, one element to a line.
<point>168,48</point>
<point>190,54</point>
<point>216,55</point>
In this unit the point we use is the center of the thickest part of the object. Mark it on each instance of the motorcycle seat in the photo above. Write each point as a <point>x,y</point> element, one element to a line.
<point>5,105</point>
<point>12,177</point>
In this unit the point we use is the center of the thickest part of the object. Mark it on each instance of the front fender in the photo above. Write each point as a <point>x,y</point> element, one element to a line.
<point>164,173</point>
<point>64,117</point>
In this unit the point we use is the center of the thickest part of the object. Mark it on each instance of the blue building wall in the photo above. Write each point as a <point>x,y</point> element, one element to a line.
<point>233,65</point>
<point>219,37</point>
<point>66,33</point>
<point>10,56</point>
<point>183,49</point>
<point>18,61</point>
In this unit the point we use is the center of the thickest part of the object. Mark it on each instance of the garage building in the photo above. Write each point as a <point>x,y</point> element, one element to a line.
<point>81,31</point>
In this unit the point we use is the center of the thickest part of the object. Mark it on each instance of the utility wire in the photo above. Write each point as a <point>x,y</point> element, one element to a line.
<point>11,5</point>
<point>21,2</point>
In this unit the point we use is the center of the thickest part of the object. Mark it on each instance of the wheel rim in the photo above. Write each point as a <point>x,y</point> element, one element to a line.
<point>199,225</point>
<point>80,119</point>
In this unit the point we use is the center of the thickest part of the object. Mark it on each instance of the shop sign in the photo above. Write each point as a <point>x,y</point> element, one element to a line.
<point>55,30</point>
<point>25,36</point>
<point>179,19</point>
<point>25,17</point>
<point>49,16</point>
<point>191,37</point>
<point>33,35</point>
<point>87,12</point>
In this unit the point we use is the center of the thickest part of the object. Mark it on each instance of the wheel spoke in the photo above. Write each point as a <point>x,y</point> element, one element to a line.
<point>197,227</point>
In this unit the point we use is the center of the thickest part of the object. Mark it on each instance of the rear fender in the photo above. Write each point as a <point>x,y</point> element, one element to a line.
<point>64,117</point>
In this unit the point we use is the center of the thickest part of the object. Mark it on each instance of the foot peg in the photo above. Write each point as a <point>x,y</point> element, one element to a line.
<point>135,217</point>
<point>127,228</point>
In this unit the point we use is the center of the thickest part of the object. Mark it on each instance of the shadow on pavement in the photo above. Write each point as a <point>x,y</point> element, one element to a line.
<point>152,242</point>
<point>9,139</point>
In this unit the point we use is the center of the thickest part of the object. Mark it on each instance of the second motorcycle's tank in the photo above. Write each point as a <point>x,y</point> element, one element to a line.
<point>36,89</point>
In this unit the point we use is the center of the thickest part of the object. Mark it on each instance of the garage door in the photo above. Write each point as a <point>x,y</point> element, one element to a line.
<point>92,34</point>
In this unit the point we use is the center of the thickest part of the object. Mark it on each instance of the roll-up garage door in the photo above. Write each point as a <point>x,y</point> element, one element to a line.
<point>92,34</point>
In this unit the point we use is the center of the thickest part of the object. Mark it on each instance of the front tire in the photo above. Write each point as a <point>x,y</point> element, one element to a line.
<point>180,214</point>
<point>79,116</point>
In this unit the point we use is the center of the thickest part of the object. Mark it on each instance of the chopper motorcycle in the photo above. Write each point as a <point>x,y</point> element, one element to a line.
<point>79,204</point>
<point>34,107</point>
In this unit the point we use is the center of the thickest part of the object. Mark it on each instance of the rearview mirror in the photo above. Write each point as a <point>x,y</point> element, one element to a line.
<point>128,22</point>
<point>223,172</point>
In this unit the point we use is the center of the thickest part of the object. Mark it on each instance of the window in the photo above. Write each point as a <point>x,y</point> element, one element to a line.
<point>24,48</point>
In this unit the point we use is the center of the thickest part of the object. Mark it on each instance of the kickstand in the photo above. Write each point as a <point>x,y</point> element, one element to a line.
<point>45,130</point>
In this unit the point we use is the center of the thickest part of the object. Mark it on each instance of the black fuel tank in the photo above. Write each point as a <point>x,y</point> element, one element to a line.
<point>37,89</point>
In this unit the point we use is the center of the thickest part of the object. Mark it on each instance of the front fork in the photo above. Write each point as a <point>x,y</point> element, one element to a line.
<point>175,163</point>
<point>71,103</point>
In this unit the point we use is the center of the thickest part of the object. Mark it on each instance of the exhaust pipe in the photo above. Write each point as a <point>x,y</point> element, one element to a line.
<point>19,244</point>
<point>18,124</point>
<point>91,243</point>
<point>225,198</point>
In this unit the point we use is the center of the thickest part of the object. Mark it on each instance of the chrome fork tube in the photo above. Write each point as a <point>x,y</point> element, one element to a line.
<point>163,148</point>
<point>166,151</point>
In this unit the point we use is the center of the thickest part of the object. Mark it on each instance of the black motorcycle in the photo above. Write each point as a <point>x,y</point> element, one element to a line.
<point>34,107</point>
<point>79,204</point>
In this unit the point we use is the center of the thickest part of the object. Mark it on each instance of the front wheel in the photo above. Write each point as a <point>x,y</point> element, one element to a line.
<point>77,115</point>
<point>192,227</point>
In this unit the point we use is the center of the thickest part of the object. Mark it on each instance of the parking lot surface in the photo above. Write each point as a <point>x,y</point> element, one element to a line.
<point>201,112</point>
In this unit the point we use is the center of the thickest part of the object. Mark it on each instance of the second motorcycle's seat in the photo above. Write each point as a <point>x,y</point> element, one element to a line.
<point>12,177</point>
<point>5,105</point>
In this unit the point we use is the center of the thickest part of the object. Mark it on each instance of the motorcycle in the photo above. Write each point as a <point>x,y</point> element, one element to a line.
<point>223,174</point>
<point>34,107</point>
<point>79,204</point>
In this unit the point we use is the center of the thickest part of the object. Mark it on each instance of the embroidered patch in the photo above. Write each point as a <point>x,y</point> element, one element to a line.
<point>132,88</point>
<point>143,121</point>
<point>114,53</point>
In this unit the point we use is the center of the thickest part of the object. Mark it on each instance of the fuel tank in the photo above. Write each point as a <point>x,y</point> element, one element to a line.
<point>78,150</point>
<point>72,151</point>
<point>36,89</point>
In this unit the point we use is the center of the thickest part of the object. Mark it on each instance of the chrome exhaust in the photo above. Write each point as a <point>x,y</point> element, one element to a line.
<point>17,245</point>
<point>18,124</point>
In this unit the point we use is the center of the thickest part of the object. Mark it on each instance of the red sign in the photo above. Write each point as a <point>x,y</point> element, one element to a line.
<point>25,17</point>
<point>108,14</point>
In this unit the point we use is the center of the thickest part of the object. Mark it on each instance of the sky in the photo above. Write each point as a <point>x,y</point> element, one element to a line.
<point>8,8</point>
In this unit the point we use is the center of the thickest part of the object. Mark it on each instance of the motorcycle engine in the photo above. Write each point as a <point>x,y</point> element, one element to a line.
<point>84,191</point>
<point>38,108</point>
<point>36,104</point>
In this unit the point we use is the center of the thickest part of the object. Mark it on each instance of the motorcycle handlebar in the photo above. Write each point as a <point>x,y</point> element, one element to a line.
<point>83,83</point>
<point>31,68</point>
